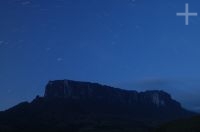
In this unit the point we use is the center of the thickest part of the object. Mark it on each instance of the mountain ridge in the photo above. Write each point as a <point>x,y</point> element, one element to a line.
<point>78,106</point>
<point>78,89</point>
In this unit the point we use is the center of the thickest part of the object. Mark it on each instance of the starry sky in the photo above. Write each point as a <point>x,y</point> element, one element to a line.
<point>107,41</point>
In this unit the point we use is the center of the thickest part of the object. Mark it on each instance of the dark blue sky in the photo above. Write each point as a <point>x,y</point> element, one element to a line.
<point>105,41</point>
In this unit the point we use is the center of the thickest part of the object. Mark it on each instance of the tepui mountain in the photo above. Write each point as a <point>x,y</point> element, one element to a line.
<point>83,107</point>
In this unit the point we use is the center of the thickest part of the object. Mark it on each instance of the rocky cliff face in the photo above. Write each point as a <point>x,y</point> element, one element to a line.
<point>85,90</point>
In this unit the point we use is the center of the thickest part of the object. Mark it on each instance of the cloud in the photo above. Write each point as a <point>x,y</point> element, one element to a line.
<point>197,108</point>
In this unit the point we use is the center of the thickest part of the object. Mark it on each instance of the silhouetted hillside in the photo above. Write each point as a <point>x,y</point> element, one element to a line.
<point>86,107</point>
<point>184,125</point>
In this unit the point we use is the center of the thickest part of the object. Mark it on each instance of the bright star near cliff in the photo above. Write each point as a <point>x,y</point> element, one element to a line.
<point>187,14</point>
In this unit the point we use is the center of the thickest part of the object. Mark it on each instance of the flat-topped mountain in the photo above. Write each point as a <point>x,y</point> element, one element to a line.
<point>86,90</point>
<point>85,107</point>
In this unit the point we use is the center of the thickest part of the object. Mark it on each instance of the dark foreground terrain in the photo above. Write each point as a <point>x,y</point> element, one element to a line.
<point>184,125</point>
<point>71,106</point>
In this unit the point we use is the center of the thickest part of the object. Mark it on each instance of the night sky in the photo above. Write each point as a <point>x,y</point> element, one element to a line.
<point>113,42</point>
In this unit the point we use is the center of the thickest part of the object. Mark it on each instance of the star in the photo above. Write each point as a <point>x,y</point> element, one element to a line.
<point>186,14</point>
<point>26,3</point>
<point>1,42</point>
<point>59,59</point>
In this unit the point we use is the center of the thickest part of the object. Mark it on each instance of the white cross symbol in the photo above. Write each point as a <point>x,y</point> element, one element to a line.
<point>186,14</point>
